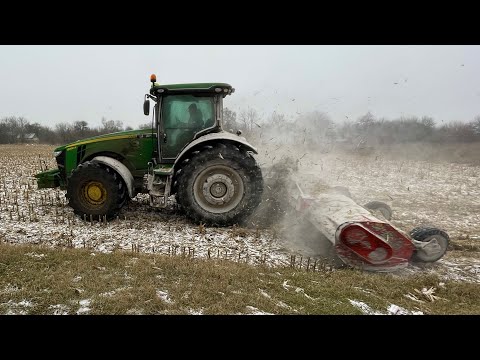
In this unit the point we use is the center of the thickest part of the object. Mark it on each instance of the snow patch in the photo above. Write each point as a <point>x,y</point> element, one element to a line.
<point>254,311</point>
<point>392,309</point>
<point>397,310</point>
<point>195,312</point>
<point>17,312</point>
<point>84,306</point>
<point>286,286</point>
<point>14,308</point>
<point>25,303</point>
<point>108,293</point>
<point>34,255</point>
<point>59,309</point>
<point>163,295</point>
<point>114,292</point>
<point>364,308</point>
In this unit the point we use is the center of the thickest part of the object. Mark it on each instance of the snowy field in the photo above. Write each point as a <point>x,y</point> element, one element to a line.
<point>445,195</point>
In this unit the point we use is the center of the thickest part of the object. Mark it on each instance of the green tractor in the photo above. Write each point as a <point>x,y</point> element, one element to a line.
<point>212,172</point>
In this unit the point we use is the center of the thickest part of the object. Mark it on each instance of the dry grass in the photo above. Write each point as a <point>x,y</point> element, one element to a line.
<point>38,280</point>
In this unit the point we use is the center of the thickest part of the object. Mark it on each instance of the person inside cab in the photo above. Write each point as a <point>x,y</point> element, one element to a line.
<point>196,118</point>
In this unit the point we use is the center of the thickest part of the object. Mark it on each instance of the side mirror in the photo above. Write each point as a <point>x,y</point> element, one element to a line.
<point>146,107</point>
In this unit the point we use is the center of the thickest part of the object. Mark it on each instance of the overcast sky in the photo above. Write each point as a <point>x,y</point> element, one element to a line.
<point>52,84</point>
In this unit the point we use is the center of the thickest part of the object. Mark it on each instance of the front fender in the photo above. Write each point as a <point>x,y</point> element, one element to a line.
<point>121,169</point>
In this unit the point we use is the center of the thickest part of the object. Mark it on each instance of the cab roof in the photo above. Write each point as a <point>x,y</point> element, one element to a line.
<point>214,88</point>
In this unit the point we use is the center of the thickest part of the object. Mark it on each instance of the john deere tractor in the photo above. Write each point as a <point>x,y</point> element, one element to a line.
<point>212,172</point>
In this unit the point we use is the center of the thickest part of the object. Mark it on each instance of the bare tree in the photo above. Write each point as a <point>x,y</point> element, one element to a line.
<point>476,125</point>
<point>229,119</point>
<point>110,126</point>
<point>64,132</point>
<point>145,126</point>
<point>80,126</point>
<point>22,127</point>
<point>249,119</point>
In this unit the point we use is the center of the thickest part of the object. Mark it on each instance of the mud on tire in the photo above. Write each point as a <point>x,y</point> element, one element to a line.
<point>97,190</point>
<point>219,185</point>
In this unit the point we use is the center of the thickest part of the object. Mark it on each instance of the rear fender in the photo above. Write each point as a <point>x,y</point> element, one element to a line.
<point>213,138</point>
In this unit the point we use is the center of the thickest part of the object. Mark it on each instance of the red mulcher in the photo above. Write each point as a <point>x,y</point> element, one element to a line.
<point>362,240</point>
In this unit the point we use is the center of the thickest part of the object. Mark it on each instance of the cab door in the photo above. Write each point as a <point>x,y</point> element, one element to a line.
<point>183,116</point>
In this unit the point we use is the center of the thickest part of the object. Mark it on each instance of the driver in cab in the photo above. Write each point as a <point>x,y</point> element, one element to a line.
<point>196,118</point>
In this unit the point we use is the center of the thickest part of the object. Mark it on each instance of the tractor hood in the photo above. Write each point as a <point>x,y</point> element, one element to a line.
<point>108,137</point>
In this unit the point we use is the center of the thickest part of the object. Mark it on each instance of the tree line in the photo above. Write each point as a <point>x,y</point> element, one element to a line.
<point>317,128</point>
<point>313,128</point>
<point>16,130</point>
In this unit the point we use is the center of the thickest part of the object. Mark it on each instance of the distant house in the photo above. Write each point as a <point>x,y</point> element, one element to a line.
<point>28,138</point>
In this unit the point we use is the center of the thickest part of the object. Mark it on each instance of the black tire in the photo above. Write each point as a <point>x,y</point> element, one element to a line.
<point>217,173</point>
<point>384,209</point>
<point>426,234</point>
<point>97,190</point>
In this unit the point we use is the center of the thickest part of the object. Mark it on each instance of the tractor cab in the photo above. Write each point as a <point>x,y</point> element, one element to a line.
<point>211,171</point>
<point>183,113</point>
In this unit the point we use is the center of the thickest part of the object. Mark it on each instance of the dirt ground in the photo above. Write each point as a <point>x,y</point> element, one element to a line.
<point>442,194</point>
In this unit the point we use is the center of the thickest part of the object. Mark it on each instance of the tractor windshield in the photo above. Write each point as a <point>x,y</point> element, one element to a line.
<point>183,116</point>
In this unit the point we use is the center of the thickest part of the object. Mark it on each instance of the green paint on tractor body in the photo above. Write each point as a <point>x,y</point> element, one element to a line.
<point>133,148</point>
<point>186,137</point>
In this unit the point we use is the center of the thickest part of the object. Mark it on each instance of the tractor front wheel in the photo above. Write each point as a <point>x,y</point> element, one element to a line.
<point>96,190</point>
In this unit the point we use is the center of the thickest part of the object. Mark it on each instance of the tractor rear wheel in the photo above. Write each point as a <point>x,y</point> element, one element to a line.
<point>220,185</point>
<point>97,190</point>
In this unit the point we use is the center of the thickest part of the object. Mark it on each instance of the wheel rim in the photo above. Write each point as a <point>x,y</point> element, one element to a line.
<point>218,189</point>
<point>93,194</point>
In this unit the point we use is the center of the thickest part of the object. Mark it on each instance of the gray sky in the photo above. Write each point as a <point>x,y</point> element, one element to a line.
<point>51,84</point>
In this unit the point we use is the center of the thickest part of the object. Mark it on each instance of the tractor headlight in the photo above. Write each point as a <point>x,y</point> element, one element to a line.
<point>56,153</point>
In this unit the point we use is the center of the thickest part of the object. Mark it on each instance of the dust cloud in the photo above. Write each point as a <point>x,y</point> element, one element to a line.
<point>369,160</point>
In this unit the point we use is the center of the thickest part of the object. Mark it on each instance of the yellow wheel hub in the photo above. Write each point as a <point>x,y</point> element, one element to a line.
<point>94,193</point>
